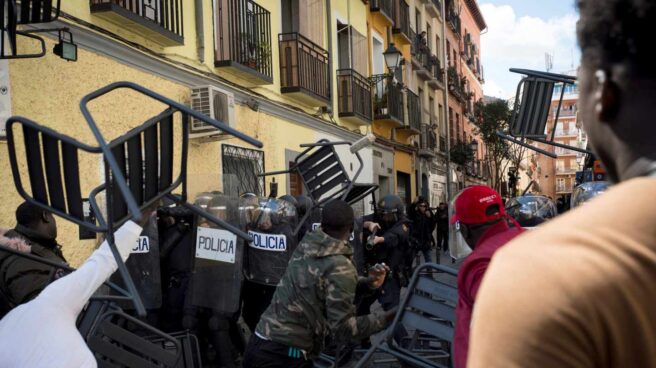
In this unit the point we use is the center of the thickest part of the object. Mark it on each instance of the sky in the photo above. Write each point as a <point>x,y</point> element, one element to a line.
<point>520,33</point>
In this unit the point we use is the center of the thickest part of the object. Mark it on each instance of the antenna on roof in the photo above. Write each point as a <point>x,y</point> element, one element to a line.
<point>548,61</point>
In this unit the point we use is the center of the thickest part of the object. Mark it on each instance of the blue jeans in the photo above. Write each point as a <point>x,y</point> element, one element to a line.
<point>427,255</point>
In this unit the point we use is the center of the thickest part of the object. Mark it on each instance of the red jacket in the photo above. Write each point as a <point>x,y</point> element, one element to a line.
<point>470,276</point>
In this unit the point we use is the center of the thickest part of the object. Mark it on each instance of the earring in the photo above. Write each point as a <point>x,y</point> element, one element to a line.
<point>598,108</point>
<point>601,76</point>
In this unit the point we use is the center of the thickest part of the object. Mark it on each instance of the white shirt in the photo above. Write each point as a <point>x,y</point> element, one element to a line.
<point>42,333</point>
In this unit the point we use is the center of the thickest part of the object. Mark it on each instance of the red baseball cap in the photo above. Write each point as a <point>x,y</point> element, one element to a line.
<point>472,204</point>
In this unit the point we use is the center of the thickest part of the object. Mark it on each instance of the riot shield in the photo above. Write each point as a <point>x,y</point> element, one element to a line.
<point>218,257</point>
<point>271,223</point>
<point>144,268</point>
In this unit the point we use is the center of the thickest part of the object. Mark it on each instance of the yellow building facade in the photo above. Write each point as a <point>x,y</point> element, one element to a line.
<point>115,45</point>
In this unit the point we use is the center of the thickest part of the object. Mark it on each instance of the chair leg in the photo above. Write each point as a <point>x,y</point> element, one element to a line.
<point>368,354</point>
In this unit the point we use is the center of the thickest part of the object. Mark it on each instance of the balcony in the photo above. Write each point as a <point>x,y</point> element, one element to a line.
<point>565,152</point>
<point>565,170</point>
<point>401,18</point>
<point>442,144</point>
<point>303,69</point>
<point>388,100</point>
<point>413,121</point>
<point>564,113</point>
<point>437,74</point>
<point>454,22</point>
<point>563,189</point>
<point>567,132</point>
<point>243,41</point>
<point>157,20</point>
<point>354,97</point>
<point>456,85</point>
<point>427,141</point>
<point>383,9</point>
<point>421,57</point>
<point>433,7</point>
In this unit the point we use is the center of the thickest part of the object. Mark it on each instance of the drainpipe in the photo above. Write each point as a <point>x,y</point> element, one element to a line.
<point>200,32</point>
<point>446,105</point>
<point>350,33</point>
<point>329,25</point>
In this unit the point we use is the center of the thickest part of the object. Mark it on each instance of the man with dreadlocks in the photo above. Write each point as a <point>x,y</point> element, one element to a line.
<point>580,291</point>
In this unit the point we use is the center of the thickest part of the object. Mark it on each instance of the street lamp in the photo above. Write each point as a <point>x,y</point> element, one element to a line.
<point>474,146</point>
<point>392,58</point>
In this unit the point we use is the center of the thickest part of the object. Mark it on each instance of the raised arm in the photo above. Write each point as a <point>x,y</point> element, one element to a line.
<point>72,292</point>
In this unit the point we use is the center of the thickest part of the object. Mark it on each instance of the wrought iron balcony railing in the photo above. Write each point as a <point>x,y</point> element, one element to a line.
<point>388,98</point>
<point>442,144</point>
<point>414,110</point>
<point>428,139</point>
<point>401,18</point>
<point>164,17</point>
<point>354,95</point>
<point>383,6</point>
<point>244,36</point>
<point>303,66</point>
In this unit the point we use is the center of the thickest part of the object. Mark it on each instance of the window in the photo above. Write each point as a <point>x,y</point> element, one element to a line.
<point>418,20</point>
<point>295,184</point>
<point>438,46</point>
<point>440,110</point>
<point>421,100</point>
<point>458,132</point>
<point>560,165</point>
<point>448,52</point>
<point>431,107</point>
<point>240,169</point>
<point>560,185</point>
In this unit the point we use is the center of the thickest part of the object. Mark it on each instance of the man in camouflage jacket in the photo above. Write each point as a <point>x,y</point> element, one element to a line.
<point>314,298</point>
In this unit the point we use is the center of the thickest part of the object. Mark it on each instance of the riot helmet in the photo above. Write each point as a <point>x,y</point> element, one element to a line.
<point>289,199</point>
<point>390,209</point>
<point>218,207</point>
<point>531,210</point>
<point>305,203</point>
<point>203,199</point>
<point>587,191</point>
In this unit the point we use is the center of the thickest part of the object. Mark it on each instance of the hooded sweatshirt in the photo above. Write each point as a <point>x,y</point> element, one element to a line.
<point>315,298</point>
<point>21,279</point>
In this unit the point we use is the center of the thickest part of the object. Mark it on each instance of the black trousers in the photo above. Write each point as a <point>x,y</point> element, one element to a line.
<point>262,353</point>
<point>443,239</point>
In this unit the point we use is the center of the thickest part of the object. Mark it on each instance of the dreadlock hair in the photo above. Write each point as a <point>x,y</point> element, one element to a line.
<point>618,32</point>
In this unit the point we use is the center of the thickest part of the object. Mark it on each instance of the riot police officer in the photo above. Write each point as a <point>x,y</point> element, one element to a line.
<point>213,297</point>
<point>385,235</point>
<point>271,223</point>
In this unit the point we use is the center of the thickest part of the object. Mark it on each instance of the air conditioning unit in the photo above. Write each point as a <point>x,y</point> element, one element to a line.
<point>215,103</point>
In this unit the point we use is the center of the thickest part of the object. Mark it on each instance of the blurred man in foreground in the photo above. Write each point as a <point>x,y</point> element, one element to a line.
<point>580,291</point>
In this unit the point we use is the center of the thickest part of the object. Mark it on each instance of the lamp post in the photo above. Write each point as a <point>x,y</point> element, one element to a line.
<point>392,58</point>
<point>474,148</point>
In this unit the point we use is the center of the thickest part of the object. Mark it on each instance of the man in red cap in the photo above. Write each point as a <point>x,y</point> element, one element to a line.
<point>483,223</point>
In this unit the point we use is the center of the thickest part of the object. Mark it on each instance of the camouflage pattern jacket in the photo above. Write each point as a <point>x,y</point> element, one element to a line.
<point>315,298</point>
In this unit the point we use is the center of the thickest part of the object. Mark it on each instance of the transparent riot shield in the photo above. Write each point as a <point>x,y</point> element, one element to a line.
<point>270,222</point>
<point>144,268</point>
<point>218,256</point>
<point>458,247</point>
